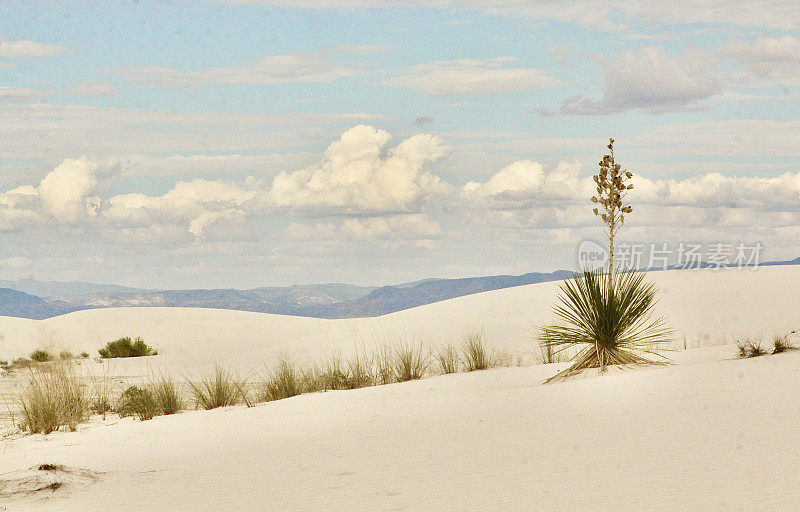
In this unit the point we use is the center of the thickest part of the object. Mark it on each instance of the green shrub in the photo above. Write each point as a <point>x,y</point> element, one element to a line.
<point>52,398</point>
<point>476,353</point>
<point>136,401</point>
<point>448,359</point>
<point>84,355</point>
<point>41,356</point>
<point>65,355</point>
<point>124,347</point>
<point>219,388</point>
<point>411,361</point>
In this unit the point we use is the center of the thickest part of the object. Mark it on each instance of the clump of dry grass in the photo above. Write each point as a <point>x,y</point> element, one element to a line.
<point>383,359</point>
<point>166,394</point>
<point>283,382</point>
<point>53,398</point>
<point>477,355</point>
<point>360,372</point>
<point>138,401</point>
<point>782,344</point>
<point>219,388</point>
<point>448,359</point>
<point>750,348</point>
<point>411,361</point>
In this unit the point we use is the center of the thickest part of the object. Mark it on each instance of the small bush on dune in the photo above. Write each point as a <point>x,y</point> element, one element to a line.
<point>750,348</point>
<point>782,344</point>
<point>448,359</point>
<point>84,355</point>
<point>411,361</point>
<point>136,401</point>
<point>65,355</point>
<point>124,347</point>
<point>476,354</point>
<point>53,398</point>
<point>41,356</point>
<point>283,382</point>
<point>219,388</point>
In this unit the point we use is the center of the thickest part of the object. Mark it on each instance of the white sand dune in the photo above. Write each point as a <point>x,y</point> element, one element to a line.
<point>707,433</point>
<point>714,435</point>
<point>706,307</point>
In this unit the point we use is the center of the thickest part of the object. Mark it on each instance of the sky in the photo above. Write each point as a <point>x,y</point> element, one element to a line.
<point>201,144</point>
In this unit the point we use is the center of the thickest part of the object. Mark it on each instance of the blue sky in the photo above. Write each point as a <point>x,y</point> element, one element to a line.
<point>201,144</point>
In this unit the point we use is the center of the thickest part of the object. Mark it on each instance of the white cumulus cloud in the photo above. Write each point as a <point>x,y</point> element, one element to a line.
<point>360,174</point>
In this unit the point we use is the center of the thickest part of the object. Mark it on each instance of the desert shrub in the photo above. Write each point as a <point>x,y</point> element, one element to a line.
<point>411,361</point>
<point>65,355</point>
<point>84,355</point>
<point>52,398</point>
<point>282,382</point>
<point>41,356</point>
<point>166,394</point>
<point>782,344</point>
<point>610,317</point>
<point>136,401</point>
<point>124,347</point>
<point>477,355</point>
<point>448,359</point>
<point>219,388</point>
<point>750,348</point>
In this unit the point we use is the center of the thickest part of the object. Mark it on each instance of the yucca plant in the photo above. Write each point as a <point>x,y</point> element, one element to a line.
<point>612,317</point>
<point>609,314</point>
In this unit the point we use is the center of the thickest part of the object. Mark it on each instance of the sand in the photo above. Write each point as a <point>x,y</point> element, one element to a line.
<point>709,432</point>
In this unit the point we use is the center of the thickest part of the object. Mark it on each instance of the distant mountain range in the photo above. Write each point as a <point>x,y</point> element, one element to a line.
<point>45,299</point>
<point>319,301</point>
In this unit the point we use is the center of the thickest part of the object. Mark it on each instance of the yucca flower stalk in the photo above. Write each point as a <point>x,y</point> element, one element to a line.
<point>612,186</point>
